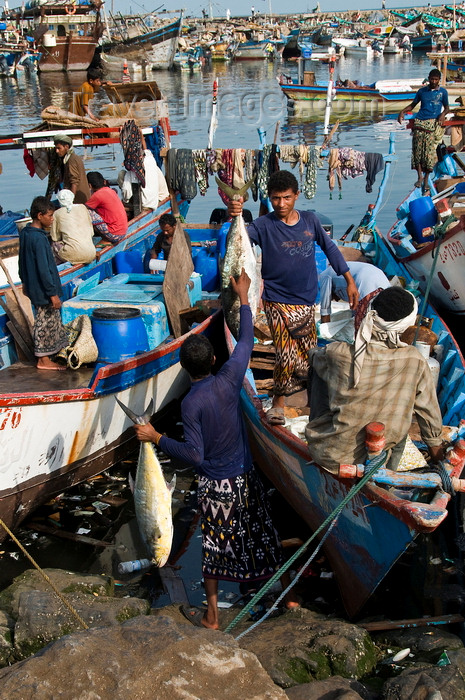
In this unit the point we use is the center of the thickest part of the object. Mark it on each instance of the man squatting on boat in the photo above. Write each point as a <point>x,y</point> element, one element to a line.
<point>427,127</point>
<point>287,238</point>
<point>378,378</point>
<point>239,542</point>
<point>41,283</point>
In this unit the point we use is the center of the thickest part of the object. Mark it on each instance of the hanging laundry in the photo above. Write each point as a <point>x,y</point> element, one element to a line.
<point>155,142</point>
<point>225,174</point>
<point>40,156</point>
<point>251,171</point>
<point>29,162</point>
<point>201,172</point>
<point>293,155</point>
<point>55,172</point>
<point>374,162</point>
<point>334,169</point>
<point>313,163</point>
<point>171,169</point>
<point>352,162</point>
<point>269,165</point>
<point>131,142</point>
<point>185,181</point>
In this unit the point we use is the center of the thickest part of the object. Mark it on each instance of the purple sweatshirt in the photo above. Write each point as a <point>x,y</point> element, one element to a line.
<point>216,443</point>
<point>288,257</point>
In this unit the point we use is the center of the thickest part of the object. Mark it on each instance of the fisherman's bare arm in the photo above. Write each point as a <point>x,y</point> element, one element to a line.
<point>241,286</point>
<point>147,433</point>
<point>352,291</point>
<point>409,108</point>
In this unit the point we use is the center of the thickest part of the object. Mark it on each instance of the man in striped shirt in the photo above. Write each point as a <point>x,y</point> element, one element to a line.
<point>379,378</point>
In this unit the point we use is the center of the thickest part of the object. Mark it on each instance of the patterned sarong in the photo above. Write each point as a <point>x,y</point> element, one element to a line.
<point>239,542</point>
<point>293,332</point>
<point>50,335</point>
<point>424,141</point>
<point>101,227</point>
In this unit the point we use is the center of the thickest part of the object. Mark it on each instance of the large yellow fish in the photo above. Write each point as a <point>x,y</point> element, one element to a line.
<point>152,496</point>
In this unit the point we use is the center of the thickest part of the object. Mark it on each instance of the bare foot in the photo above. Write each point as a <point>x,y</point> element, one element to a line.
<point>47,364</point>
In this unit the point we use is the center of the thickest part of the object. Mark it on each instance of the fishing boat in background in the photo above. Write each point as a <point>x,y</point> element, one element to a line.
<point>66,34</point>
<point>385,517</point>
<point>253,50</point>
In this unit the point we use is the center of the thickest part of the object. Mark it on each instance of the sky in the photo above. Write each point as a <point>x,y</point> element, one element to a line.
<point>243,7</point>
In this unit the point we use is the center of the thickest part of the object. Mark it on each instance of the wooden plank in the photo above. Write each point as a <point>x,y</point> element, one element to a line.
<point>179,268</point>
<point>24,352</point>
<point>380,625</point>
<point>173,585</point>
<point>16,316</point>
<point>25,307</point>
<point>68,535</point>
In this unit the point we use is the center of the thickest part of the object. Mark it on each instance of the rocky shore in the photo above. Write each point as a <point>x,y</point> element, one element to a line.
<point>130,650</point>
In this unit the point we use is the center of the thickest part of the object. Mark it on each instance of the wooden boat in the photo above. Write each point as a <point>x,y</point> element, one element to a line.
<point>255,50</point>
<point>59,428</point>
<point>382,97</point>
<point>157,47</point>
<point>360,48</point>
<point>438,263</point>
<point>66,33</point>
<point>379,524</point>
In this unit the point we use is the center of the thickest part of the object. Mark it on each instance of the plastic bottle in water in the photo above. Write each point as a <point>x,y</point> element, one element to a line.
<point>127,567</point>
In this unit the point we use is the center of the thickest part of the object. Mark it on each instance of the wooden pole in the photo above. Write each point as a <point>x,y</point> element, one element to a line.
<point>18,298</point>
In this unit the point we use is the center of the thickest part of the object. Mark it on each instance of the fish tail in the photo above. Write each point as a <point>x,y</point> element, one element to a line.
<point>138,420</point>
<point>234,192</point>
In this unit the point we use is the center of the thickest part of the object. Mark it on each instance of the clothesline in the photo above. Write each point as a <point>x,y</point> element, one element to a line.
<point>189,169</point>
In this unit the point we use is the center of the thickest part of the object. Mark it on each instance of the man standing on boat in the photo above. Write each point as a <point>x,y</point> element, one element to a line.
<point>427,127</point>
<point>378,378</point>
<point>239,542</point>
<point>287,239</point>
<point>74,173</point>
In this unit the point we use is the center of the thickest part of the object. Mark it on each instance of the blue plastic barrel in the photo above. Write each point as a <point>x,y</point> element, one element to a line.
<point>206,264</point>
<point>119,333</point>
<point>128,261</point>
<point>423,214</point>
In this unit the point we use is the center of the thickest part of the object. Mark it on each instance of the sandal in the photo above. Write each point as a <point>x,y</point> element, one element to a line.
<point>426,192</point>
<point>418,183</point>
<point>275,416</point>
<point>194,615</point>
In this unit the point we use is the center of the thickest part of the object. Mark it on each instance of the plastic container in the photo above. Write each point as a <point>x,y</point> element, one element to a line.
<point>423,214</point>
<point>127,567</point>
<point>128,261</point>
<point>119,333</point>
<point>206,264</point>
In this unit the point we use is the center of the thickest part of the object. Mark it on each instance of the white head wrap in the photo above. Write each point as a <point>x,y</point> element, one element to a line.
<point>66,199</point>
<point>375,328</point>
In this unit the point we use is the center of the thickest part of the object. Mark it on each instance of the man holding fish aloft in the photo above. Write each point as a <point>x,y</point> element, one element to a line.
<point>287,240</point>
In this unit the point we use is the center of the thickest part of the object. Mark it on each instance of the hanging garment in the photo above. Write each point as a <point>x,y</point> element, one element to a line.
<point>185,181</point>
<point>155,142</point>
<point>29,162</point>
<point>269,165</point>
<point>334,169</point>
<point>352,162</point>
<point>251,171</point>
<point>374,162</point>
<point>313,163</point>
<point>131,142</point>
<point>238,168</point>
<point>201,173</point>
<point>226,173</point>
<point>40,157</point>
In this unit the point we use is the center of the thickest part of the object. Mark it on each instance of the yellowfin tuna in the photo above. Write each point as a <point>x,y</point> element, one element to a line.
<point>239,254</point>
<point>152,496</point>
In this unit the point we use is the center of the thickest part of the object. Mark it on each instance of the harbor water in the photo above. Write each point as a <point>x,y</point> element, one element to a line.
<point>249,99</point>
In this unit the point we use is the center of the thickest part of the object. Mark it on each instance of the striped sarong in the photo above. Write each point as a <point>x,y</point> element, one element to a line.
<point>293,332</point>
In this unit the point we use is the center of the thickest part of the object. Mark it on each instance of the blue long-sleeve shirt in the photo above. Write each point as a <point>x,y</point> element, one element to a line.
<point>288,257</point>
<point>216,443</point>
<point>37,268</point>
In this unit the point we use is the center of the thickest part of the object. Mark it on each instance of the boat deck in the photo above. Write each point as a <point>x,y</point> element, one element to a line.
<point>24,377</point>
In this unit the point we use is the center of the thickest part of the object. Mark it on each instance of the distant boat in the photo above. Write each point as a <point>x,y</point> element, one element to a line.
<point>255,50</point>
<point>66,33</point>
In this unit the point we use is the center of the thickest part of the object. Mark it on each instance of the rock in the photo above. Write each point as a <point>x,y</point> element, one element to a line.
<point>64,581</point>
<point>300,647</point>
<point>148,658</point>
<point>6,639</point>
<point>43,618</point>
<point>335,688</point>
<point>423,682</point>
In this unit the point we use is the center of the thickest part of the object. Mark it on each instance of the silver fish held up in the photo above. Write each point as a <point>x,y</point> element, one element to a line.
<point>152,496</point>
<point>239,254</point>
